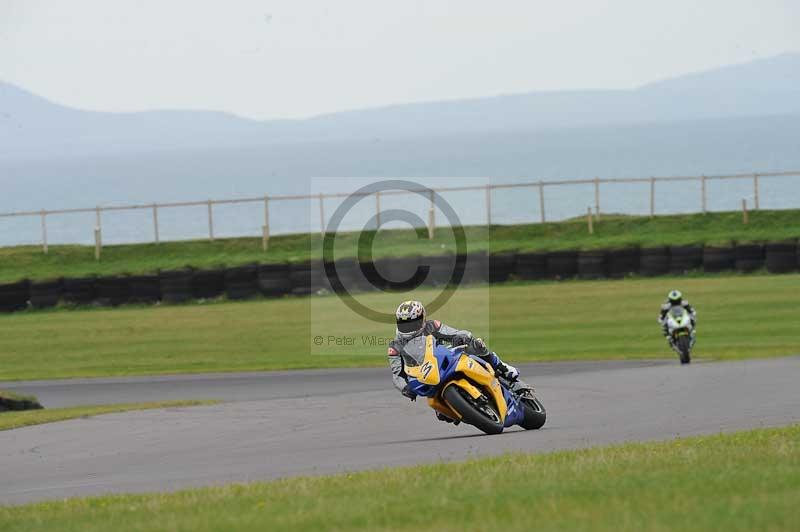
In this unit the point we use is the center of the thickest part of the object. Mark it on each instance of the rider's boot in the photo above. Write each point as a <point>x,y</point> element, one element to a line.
<point>506,371</point>
<point>442,417</point>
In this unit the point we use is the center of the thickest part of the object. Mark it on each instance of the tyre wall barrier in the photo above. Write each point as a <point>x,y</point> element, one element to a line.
<point>531,266</point>
<point>176,285</point>
<point>592,264</point>
<point>46,294</point>
<point>475,267</point>
<point>440,269</point>
<point>749,257</point>
<point>718,259</point>
<point>14,296</point>
<point>273,279</point>
<point>241,282</point>
<point>79,291</point>
<point>654,261</point>
<point>112,291</point>
<point>781,257</point>
<point>501,267</point>
<point>622,262</point>
<point>144,288</point>
<point>562,264</point>
<point>278,279</point>
<point>401,272</point>
<point>683,259</point>
<point>307,278</point>
<point>208,284</point>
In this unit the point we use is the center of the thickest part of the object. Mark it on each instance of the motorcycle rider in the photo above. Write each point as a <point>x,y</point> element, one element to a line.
<point>675,299</point>
<point>411,323</point>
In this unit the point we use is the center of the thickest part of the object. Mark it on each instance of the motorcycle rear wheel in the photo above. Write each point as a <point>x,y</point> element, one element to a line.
<point>482,416</point>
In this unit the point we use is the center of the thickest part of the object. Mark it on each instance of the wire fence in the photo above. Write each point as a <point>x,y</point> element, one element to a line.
<point>685,194</point>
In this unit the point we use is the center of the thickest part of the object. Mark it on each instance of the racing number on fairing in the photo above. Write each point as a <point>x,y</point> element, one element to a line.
<point>425,369</point>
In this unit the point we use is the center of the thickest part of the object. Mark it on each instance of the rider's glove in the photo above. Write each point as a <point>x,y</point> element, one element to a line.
<point>478,346</point>
<point>408,392</point>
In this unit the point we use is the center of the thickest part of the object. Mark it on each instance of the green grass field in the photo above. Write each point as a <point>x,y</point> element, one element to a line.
<point>739,316</point>
<point>612,231</point>
<point>744,481</point>
<point>13,420</point>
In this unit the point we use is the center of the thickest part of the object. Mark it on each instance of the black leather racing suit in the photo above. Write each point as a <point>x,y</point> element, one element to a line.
<point>440,332</point>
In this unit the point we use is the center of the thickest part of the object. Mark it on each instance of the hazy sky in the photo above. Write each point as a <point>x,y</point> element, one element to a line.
<point>270,59</point>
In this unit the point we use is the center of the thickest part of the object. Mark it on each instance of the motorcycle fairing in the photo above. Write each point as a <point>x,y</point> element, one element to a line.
<point>439,365</point>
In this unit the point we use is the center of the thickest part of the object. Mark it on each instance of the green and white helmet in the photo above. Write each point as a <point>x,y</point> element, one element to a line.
<point>410,317</point>
<point>675,297</point>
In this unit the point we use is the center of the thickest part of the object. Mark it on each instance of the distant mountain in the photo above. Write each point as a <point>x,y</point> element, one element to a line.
<point>780,73</point>
<point>34,128</point>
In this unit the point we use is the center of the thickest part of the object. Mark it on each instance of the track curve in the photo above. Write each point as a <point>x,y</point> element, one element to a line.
<point>353,419</point>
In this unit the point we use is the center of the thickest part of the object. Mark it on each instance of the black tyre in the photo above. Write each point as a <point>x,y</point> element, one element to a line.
<point>481,414</point>
<point>531,266</point>
<point>592,264</point>
<point>718,259</point>
<point>535,414</point>
<point>501,266</point>
<point>749,258</point>
<point>780,257</point>
<point>622,262</point>
<point>684,345</point>
<point>562,264</point>
<point>654,261</point>
<point>46,294</point>
<point>683,259</point>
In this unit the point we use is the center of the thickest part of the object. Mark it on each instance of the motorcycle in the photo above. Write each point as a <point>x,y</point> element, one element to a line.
<point>465,388</point>
<point>681,332</point>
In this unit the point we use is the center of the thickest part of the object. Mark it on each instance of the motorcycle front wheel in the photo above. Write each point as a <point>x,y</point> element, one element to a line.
<point>479,413</point>
<point>535,414</point>
<point>684,345</point>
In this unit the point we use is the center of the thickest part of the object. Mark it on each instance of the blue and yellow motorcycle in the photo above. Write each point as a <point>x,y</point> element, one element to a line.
<point>465,388</point>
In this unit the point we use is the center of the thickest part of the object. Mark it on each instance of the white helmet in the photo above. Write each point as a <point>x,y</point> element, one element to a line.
<point>410,317</point>
<point>675,297</point>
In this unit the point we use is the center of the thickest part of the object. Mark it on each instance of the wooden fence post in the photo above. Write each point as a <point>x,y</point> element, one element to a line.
<point>98,234</point>
<point>98,243</point>
<point>703,192</point>
<point>432,215</point>
<point>44,231</point>
<point>589,220</point>
<point>755,191</point>
<point>265,227</point>
<point>321,214</point>
<point>597,197</point>
<point>745,217</point>
<point>488,205</point>
<point>155,223</point>
<point>652,197</point>
<point>541,201</point>
<point>377,210</point>
<point>210,222</point>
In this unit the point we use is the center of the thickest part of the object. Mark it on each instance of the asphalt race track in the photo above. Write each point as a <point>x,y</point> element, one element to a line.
<point>294,423</point>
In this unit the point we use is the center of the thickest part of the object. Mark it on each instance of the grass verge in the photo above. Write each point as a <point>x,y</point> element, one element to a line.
<point>742,481</point>
<point>611,231</point>
<point>739,317</point>
<point>14,420</point>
